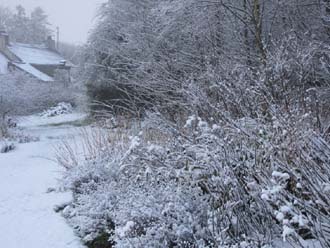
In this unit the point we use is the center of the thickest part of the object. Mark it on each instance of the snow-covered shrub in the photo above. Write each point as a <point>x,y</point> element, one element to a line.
<point>240,176</point>
<point>6,134</point>
<point>5,123</point>
<point>245,154</point>
<point>59,109</point>
<point>240,117</point>
<point>10,135</point>
<point>22,138</point>
<point>3,128</point>
<point>138,205</point>
<point>6,147</point>
<point>23,94</point>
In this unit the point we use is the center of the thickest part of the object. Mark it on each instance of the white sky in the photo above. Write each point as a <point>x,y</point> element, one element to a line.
<point>74,17</point>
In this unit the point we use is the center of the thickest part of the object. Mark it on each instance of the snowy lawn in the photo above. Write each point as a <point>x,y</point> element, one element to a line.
<point>27,216</point>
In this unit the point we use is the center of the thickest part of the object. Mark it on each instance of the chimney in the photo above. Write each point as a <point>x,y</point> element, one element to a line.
<point>4,40</point>
<point>50,43</point>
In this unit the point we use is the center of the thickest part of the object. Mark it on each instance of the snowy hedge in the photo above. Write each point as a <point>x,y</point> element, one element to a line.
<point>240,160</point>
<point>235,151</point>
<point>21,94</point>
<point>224,184</point>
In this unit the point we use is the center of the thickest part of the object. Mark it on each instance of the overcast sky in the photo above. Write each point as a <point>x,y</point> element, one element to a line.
<point>74,17</point>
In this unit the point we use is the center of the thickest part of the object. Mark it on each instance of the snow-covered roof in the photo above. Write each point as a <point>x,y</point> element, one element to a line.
<point>34,72</point>
<point>36,54</point>
<point>31,59</point>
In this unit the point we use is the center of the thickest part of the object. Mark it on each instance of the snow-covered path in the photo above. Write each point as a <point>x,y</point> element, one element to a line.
<point>27,216</point>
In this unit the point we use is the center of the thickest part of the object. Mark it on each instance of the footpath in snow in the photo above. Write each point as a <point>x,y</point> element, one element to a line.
<point>27,216</point>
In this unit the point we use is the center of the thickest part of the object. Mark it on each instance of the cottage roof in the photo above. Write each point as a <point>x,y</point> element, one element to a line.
<point>36,54</point>
<point>34,72</point>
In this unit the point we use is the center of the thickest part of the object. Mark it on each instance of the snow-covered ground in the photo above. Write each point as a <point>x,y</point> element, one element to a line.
<point>27,216</point>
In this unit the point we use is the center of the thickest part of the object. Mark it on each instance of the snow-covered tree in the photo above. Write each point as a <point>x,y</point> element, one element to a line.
<point>38,26</point>
<point>19,29</point>
<point>5,18</point>
<point>231,100</point>
<point>22,27</point>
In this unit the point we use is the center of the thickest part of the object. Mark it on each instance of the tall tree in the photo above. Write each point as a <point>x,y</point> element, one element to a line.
<point>33,28</point>
<point>38,26</point>
<point>5,18</point>
<point>20,25</point>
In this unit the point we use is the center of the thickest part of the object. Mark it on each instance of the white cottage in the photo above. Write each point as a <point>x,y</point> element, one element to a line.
<point>39,61</point>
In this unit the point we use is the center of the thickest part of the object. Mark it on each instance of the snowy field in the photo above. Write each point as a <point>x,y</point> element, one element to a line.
<point>27,216</point>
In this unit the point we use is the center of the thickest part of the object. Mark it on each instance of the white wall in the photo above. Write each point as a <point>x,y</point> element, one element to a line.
<point>3,64</point>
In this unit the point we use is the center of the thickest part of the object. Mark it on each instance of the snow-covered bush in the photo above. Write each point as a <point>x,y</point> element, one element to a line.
<point>235,151</point>
<point>6,147</point>
<point>3,128</point>
<point>10,135</point>
<point>246,159</point>
<point>59,109</point>
<point>4,121</point>
<point>23,94</point>
<point>205,185</point>
<point>248,145</point>
<point>165,211</point>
